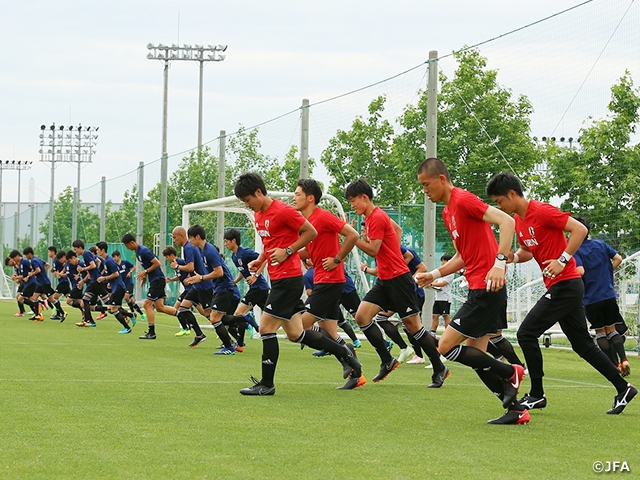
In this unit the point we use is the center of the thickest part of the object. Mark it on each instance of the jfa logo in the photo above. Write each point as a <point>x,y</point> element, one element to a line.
<point>608,467</point>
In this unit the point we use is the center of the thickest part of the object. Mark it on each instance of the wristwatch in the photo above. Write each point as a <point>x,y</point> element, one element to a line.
<point>563,260</point>
<point>336,259</point>
<point>289,251</point>
<point>502,257</point>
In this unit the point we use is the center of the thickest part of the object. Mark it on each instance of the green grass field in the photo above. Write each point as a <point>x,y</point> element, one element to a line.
<point>88,403</point>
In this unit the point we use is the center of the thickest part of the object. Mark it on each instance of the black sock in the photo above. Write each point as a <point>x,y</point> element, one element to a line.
<point>242,328</point>
<point>493,350</point>
<point>414,343</point>
<point>320,341</point>
<point>492,381</point>
<point>374,335</point>
<point>58,307</point>
<point>183,323</point>
<point>21,307</point>
<point>477,359</point>
<point>87,311</point>
<point>121,319</point>
<point>222,332</point>
<point>346,328</point>
<point>270,353</point>
<point>605,346</point>
<point>536,388</point>
<point>506,349</point>
<point>339,340</point>
<point>392,332</point>
<point>152,329</point>
<point>124,313</point>
<point>617,345</point>
<point>428,344</point>
<point>189,318</point>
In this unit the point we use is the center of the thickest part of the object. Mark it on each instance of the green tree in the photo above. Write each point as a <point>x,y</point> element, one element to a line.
<point>600,179</point>
<point>123,220</point>
<point>88,224</point>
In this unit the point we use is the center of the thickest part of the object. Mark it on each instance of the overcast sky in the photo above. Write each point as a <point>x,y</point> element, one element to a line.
<point>73,62</point>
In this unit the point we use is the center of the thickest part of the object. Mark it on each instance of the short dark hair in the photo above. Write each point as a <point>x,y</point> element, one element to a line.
<point>233,234</point>
<point>446,257</point>
<point>27,251</point>
<point>115,253</point>
<point>61,254</point>
<point>14,253</point>
<point>71,254</point>
<point>128,238</point>
<point>433,167</point>
<point>170,250</point>
<point>102,246</point>
<point>78,244</point>
<point>93,249</point>
<point>502,183</point>
<point>357,188</point>
<point>7,260</point>
<point>584,221</point>
<point>53,249</point>
<point>197,231</point>
<point>248,183</point>
<point>310,187</point>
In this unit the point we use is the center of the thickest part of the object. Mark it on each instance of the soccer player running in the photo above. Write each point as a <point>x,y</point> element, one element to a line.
<point>74,298</point>
<point>126,271</point>
<point>596,261</point>
<point>326,253</point>
<point>394,290</point>
<point>43,284</point>
<point>118,289</point>
<point>283,231</point>
<point>25,274</point>
<point>540,230</point>
<point>468,220</point>
<point>58,259</point>
<point>258,286</point>
<point>151,272</point>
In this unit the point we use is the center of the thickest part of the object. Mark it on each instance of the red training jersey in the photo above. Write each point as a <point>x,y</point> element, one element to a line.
<point>325,245</point>
<point>542,232</point>
<point>389,259</point>
<point>279,227</point>
<point>472,236</point>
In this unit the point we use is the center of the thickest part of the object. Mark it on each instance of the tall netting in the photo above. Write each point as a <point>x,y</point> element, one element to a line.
<point>555,102</point>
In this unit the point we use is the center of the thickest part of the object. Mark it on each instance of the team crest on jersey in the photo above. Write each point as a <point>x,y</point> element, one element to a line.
<point>531,232</point>
<point>530,242</point>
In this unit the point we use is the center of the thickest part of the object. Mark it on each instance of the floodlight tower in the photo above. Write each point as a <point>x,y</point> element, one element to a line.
<point>166,53</point>
<point>18,165</point>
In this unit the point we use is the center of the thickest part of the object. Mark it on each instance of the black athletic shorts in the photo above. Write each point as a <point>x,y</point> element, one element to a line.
<point>441,307</point>
<point>156,290</point>
<point>284,299</point>
<point>129,289</point>
<point>224,302</point>
<point>75,294</point>
<point>200,297</point>
<point>395,295</point>
<point>29,290</point>
<point>324,301</point>
<point>97,289</point>
<point>350,301</point>
<point>480,314</point>
<point>255,297</point>
<point>20,287</point>
<point>116,298</point>
<point>63,288</point>
<point>46,289</point>
<point>603,314</point>
<point>183,295</point>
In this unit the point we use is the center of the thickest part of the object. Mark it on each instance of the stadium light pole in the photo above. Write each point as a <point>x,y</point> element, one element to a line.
<point>71,145</point>
<point>19,166</point>
<point>166,53</point>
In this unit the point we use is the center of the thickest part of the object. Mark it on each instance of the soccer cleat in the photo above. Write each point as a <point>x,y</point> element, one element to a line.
<point>351,366</point>
<point>54,317</point>
<point>133,320</point>
<point>621,400</point>
<point>415,360</point>
<point>125,331</point>
<point>91,324</point>
<point>147,336</point>
<point>197,340</point>
<point>18,314</point>
<point>405,353</point>
<point>258,389</point>
<point>625,368</point>
<point>529,402</point>
<point>143,318</point>
<point>353,382</point>
<point>240,348</point>
<point>33,317</point>
<point>64,316</point>
<point>182,333</point>
<point>38,318</point>
<point>386,369</point>
<point>81,324</point>
<point>101,316</point>
<point>512,385</point>
<point>512,417</point>
<point>357,343</point>
<point>321,353</point>
<point>438,378</point>
<point>389,344</point>
<point>225,351</point>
